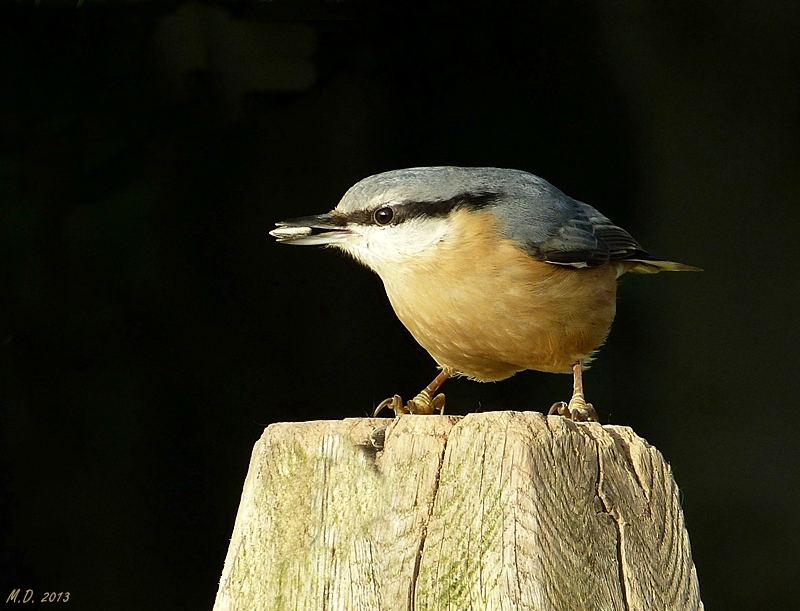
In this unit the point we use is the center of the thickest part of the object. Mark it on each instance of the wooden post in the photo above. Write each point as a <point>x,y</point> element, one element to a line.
<point>498,510</point>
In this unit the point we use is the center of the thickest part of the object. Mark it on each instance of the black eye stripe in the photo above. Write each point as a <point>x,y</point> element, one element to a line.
<point>404,211</point>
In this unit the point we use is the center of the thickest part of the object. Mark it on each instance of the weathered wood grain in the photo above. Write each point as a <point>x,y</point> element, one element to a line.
<point>500,510</point>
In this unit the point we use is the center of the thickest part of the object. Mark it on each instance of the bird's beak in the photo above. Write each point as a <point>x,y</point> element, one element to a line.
<point>310,230</point>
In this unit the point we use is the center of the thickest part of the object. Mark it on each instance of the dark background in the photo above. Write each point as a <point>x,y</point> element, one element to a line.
<point>151,328</point>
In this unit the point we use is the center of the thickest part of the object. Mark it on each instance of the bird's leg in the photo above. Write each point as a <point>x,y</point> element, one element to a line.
<point>424,403</point>
<point>577,409</point>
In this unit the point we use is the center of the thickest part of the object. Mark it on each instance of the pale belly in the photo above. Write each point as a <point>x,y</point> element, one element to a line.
<point>505,313</point>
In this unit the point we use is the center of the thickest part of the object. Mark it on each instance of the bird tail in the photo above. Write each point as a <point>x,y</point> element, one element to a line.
<point>653,266</point>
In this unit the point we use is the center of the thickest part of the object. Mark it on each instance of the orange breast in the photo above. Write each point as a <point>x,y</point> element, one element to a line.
<point>486,310</point>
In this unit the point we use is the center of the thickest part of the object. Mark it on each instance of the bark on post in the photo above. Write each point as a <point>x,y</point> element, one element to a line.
<point>498,510</point>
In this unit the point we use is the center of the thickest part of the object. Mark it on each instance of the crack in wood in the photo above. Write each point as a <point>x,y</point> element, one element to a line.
<point>620,443</point>
<point>607,509</point>
<point>412,587</point>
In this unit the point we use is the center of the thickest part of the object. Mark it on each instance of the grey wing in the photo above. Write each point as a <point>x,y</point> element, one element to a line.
<point>613,242</point>
<point>588,239</point>
<point>569,232</point>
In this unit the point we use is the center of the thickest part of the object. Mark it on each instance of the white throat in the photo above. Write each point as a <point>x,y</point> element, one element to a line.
<point>387,248</point>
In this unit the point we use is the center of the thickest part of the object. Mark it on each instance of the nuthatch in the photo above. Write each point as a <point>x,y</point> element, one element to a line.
<point>493,271</point>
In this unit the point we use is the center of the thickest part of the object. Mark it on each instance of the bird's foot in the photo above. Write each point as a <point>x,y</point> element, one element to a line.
<point>422,404</point>
<point>577,410</point>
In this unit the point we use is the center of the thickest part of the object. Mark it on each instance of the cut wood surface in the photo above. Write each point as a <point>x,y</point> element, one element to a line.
<point>498,510</point>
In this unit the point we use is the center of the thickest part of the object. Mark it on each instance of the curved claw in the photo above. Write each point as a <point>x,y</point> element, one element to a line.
<point>559,408</point>
<point>395,403</point>
<point>437,404</point>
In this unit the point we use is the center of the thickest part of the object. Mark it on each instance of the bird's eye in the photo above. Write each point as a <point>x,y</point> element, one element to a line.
<point>383,216</point>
